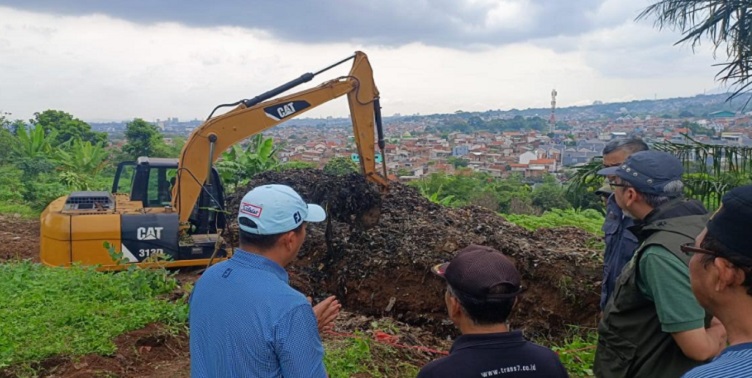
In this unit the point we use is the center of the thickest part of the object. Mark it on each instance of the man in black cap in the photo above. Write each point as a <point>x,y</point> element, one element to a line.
<point>652,326</point>
<point>721,273</point>
<point>482,288</point>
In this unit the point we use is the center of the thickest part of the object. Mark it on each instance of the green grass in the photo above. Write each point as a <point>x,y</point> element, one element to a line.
<point>362,357</point>
<point>47,311</point>
<point>56,311</point>
<point>24,211</point>
<point>578,352</point>
<point>588,220</point>
<point>345,358</point>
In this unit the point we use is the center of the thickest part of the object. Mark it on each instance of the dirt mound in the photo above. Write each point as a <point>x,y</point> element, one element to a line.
<point>19,238</point>
<point>384,270</point>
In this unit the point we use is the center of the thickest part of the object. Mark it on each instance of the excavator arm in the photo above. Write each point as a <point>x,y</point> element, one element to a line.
<point>206,144</point>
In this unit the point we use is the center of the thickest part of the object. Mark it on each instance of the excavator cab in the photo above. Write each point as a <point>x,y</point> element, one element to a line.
<point>150,181</point>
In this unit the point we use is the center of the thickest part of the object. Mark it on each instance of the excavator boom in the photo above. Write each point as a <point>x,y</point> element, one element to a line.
<point>207,142</point>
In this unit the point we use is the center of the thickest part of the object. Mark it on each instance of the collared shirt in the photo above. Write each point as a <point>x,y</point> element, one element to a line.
<point>246,321</point>
<point>734,362</point>
<point>620,246</point>
<point>505,354</point>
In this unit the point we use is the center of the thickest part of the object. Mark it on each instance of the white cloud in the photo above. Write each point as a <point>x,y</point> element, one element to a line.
<point>98,67</point>
<point>511,14</point>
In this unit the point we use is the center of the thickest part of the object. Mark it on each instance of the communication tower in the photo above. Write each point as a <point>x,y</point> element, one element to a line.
<point>552,120</point>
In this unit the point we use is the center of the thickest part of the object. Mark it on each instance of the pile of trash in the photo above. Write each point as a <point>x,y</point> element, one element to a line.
<point>381,267</point>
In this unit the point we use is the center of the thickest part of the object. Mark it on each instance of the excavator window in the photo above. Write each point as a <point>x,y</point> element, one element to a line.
<point>159,186</point>
<point>124,178</point>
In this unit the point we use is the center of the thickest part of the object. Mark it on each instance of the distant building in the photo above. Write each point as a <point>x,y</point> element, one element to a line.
<point>721,114</point>
<point>460,150</point>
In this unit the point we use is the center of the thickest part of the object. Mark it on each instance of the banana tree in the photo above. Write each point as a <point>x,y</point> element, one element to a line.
<point>33,143</point>
<point>80,162</point>
<point>82,156</point>
<point>239,165</point>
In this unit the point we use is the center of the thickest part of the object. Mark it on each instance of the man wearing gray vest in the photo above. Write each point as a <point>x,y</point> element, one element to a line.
<point>652,325</point>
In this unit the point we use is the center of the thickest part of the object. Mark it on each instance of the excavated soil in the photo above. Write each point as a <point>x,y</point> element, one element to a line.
<point>378,266</point>
<point>384,270</point>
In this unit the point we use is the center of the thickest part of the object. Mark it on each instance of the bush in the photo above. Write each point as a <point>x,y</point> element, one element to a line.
<point>10,176</point>
<point>588,220</point>
<point>43,190</point>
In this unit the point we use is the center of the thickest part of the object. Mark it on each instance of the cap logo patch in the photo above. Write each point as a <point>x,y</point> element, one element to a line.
<point>252,210</point>
<point>297,217</point>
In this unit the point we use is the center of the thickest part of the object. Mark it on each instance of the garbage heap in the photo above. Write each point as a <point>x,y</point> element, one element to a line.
<point>382,268</point>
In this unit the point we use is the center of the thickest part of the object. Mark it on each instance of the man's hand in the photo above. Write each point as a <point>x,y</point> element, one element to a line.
<point>326,311</point>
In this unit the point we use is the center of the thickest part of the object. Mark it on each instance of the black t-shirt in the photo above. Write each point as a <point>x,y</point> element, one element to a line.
<point>504,355</point>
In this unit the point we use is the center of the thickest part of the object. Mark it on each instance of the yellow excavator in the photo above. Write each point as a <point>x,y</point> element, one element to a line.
<point>170,212</point>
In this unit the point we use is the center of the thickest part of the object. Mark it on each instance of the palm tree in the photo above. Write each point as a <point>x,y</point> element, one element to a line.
<point>711,170</point>
<point>722,22</point>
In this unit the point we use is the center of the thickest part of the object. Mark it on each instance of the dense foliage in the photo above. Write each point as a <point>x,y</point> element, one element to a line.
<point>512,195</point>
<point>465,124</point>
<point>56,153</point>
<point>589,220</point>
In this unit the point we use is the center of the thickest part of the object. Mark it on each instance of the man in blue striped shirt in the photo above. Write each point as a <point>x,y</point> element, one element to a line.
<point>245,319</point>
<point>721,275</point>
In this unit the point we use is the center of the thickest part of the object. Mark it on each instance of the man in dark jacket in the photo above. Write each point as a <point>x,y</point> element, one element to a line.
<point>620,242</point>
<point>652,325</point>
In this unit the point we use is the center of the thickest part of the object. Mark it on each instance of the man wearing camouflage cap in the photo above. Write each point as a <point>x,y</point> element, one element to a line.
<point>652,326</point>
<point>721,273</point>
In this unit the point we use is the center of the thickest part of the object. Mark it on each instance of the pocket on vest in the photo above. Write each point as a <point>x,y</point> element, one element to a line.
<point>613,356</point>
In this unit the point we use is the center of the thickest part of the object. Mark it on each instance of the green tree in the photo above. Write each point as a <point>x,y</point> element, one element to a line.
<point>457,162</point>
<point>403,172</point>
<point>340,166</point>
<point>66,127</point>
<point>295,165</point>
<point>722,22</point>
<point>549,196</point>
<point>238,165</point>
<point>144,139</point>
<point>7,140</point>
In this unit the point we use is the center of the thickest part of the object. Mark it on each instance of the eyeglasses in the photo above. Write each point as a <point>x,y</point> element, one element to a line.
<point>740,262</point>
<point>690,248</point>
<point>614,184</point>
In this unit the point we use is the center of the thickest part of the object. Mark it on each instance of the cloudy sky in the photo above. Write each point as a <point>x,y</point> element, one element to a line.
<point>121,59</point>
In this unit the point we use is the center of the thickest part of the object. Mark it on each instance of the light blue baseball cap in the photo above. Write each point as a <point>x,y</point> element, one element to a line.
<point>274,209</point>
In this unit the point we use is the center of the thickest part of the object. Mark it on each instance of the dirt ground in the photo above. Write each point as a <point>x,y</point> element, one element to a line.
<point>378,270</point>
